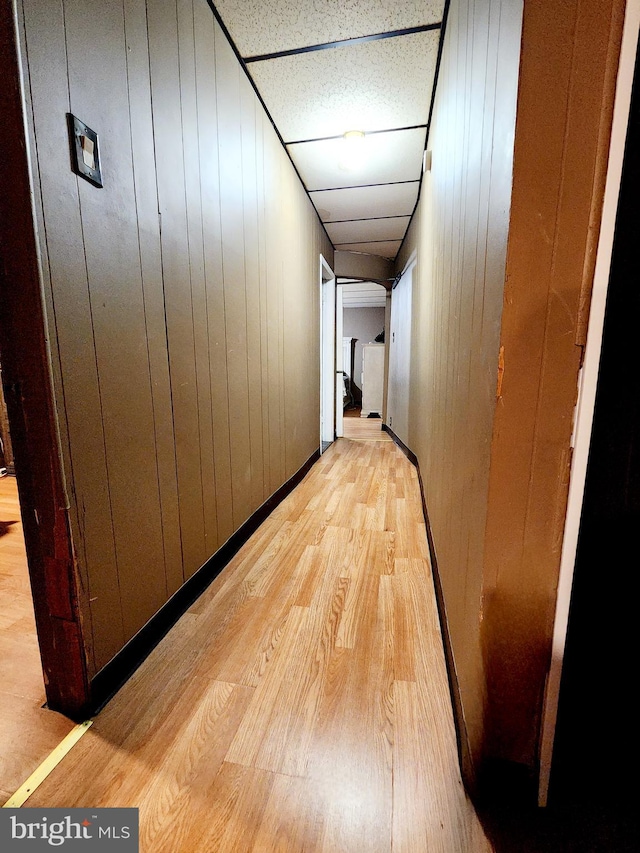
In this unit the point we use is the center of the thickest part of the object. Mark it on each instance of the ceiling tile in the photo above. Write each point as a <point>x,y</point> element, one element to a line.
<point>390,228</point>
<point>269,26</point>
<point>363,87</point>
<point>361,202</point>
<point>387,249</point>
<point>387,157</point>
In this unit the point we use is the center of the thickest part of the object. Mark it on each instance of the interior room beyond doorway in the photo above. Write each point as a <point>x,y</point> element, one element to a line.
<point>364,315</point>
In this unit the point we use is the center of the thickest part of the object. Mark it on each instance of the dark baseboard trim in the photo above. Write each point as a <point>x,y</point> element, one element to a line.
<point>111,677</point>
<point>467,767</point>
<point>411,456</point>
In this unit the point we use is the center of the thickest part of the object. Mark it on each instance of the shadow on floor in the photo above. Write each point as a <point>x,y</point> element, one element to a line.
<point>514,824</point>
<point>4,527</point>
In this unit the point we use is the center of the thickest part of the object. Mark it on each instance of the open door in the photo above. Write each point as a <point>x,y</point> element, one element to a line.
<point>400,354</point>
<point>327,355</point>
<point>339,364</point>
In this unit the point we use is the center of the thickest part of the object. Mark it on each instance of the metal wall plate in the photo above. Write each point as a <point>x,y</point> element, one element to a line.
<point>84,151</point>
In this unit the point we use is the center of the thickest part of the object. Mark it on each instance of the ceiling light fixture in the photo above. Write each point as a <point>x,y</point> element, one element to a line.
<point>352,153</point>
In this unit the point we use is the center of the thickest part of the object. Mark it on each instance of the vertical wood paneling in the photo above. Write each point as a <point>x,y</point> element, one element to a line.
<point>263,296</point>
<point>561,153</point>
<point>496,474</point>
<point>78,392</point>
<point>233,250</point>
<point>49,312</point>
<point>252,288</point>
<point>182,297</point>
<point>170,156</point>
<point>198,301</point>
<point>293,344</point>
<point>280,318</point>
<point>460,233</point>
<point>480,369</point>
<point>204,28</point>
<point>116,301</point>
<point>144,176</point>
<point>272,167</point>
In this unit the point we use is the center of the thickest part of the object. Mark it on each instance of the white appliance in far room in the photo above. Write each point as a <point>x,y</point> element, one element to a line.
<point>372,379</point>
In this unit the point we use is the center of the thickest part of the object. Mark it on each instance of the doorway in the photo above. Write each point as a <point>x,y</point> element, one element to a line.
<point>365,319</point>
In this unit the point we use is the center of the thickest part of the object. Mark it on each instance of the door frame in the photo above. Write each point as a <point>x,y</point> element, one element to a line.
<point>587,384</point>
<point>27,379</point>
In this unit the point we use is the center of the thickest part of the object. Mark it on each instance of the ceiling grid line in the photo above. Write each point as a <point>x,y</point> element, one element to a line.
<point>264,57</point>
<point>369,132</point>
<point>363,186</point>
<point>368,219</point>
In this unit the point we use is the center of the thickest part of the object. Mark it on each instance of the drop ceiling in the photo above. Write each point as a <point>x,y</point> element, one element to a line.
<point>325,67</point>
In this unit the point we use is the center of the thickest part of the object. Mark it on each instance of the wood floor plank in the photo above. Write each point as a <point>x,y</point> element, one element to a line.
<point>376,502</point>
<point>361,601</point>
<point>313,564</point>
<point>292,819</point>
<point>241,795</point>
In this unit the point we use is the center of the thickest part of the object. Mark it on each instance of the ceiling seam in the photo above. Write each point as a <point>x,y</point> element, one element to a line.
<point>296,51</point>
<point>366,242</point>
<point>366,132</point>
<point>371,218</point>
<point>365,186</point>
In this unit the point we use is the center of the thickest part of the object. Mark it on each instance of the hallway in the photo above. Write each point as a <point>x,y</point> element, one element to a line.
<point>302,702</point>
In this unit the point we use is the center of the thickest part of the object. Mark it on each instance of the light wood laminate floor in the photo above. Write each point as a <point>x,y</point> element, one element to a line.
<point>365,429</point>
<point>28,732</point>
<point>302,703</point>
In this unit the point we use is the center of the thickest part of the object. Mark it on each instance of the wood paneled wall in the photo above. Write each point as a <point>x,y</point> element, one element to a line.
<point>182,298</point>
<point>565,105</point>
<point>460,234</point>
<point>498,330</point>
